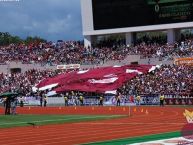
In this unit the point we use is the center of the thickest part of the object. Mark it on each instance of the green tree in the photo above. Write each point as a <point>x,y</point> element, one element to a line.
<point>6,39</point>
<point>30,39</point>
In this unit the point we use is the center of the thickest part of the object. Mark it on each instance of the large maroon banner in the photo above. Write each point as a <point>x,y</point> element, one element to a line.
<point>100,80</point>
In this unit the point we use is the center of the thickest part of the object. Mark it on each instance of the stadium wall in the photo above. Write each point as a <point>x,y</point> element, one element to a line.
<point>6,68</point>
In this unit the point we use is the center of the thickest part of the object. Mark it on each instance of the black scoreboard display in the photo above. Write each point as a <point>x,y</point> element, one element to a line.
<point>109,14</point>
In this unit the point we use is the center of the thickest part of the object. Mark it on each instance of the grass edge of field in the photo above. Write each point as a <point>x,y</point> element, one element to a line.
<point>138,139</point>
<point>79,119</point>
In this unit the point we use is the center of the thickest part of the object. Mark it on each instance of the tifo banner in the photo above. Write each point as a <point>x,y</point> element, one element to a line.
<point>100,80</point>
<point>186,61</point>
<point>70,66</point>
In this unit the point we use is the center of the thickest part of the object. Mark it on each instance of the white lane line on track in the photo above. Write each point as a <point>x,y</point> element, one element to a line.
<point>64,139</point>
<point>31,131</point>
<point>156,129</point>
<point>78,135</point>
<point>19,132</point>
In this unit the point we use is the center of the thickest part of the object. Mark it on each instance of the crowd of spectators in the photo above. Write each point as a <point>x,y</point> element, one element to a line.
<point>161,51</point>
<point>71,52</point>
<point>23,82</point>
<point>166,80</point>
<point>153,47</point>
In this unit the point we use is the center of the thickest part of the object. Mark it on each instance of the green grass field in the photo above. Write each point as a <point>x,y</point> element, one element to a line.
<point>127,141</point>
<point>28,120</point>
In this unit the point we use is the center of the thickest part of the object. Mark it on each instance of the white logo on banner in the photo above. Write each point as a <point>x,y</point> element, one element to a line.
<point>103,81</point>
<point>132,71</point>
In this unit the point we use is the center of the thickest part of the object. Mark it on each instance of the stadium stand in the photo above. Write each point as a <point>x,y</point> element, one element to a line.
<point>39,62</point>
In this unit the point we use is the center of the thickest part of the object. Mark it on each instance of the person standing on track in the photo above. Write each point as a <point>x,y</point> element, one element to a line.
<point>45,101</point>
<point>81,100</point>
<point>138,99</point>
<point>162,100</point>
<point>21,101</point>
<point>13,105</point>
<point>4,101</point>
<point>101,101</point>
<point>66,100</point>
<point>7,106</point>
<point>118,100</point>
<point>76,100</point>
<point>41,101</point>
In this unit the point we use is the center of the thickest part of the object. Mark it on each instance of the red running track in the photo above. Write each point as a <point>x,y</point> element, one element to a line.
<point>141,122</point>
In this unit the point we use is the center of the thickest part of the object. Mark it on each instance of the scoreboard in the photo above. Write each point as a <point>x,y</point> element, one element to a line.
<point>110,14</point>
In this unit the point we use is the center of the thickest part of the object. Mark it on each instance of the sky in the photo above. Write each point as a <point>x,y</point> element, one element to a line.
<point>49,19</point>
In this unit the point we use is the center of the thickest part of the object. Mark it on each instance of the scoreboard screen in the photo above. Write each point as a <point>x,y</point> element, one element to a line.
<point>109,14</point>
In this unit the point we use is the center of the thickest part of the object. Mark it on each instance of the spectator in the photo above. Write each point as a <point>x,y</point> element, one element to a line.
<point>13,105</point>
<point>81,100</point>
<point>118,98</point>
<point>45,101</point>
<point>101,101</point>
<point>21,101</point>
<point>66,100</point>
<point>138,99</point>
